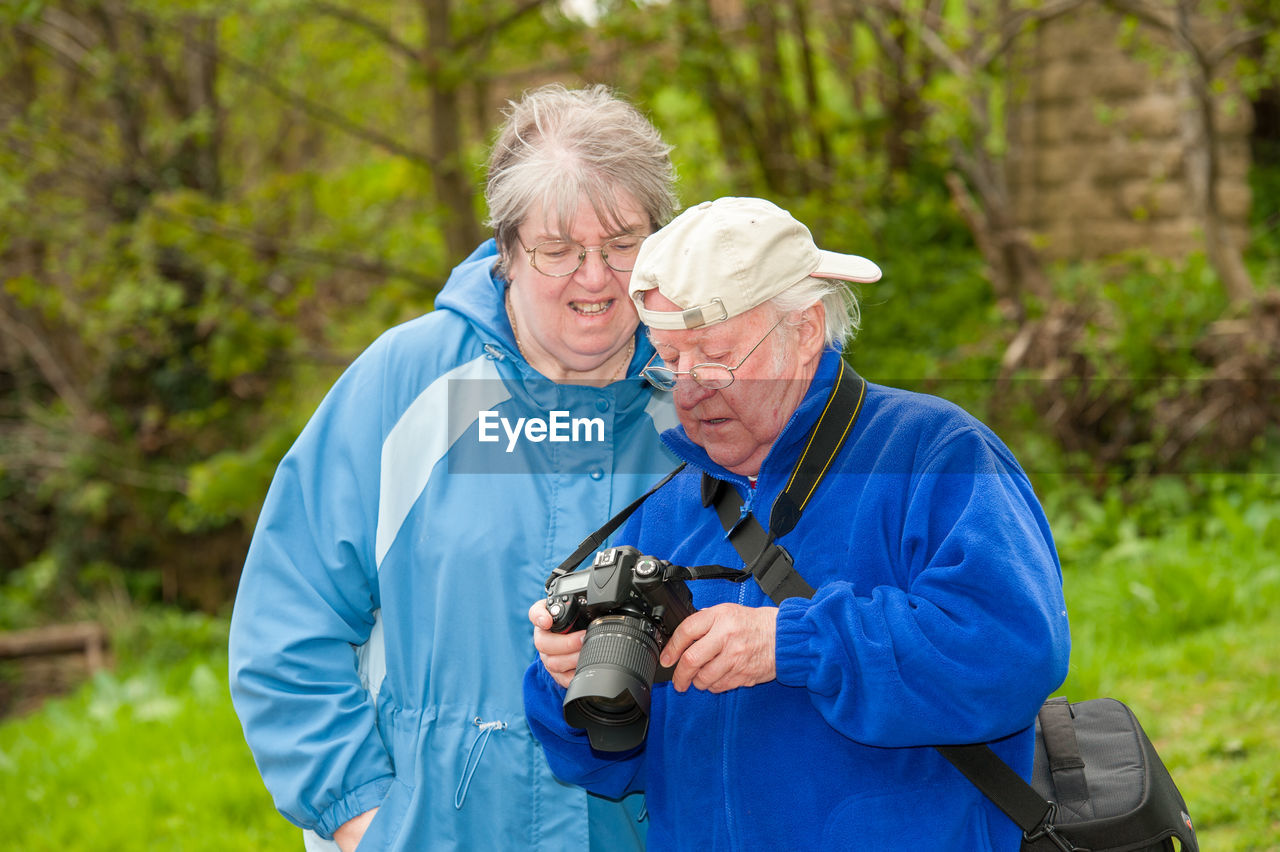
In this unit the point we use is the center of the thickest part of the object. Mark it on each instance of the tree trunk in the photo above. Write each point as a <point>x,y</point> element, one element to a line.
<point>701,40</point>
<point>451,183</point>
<point>824,169</point>
<point>779,124</point>
<point>202,77</point>
<point>1201,139</point>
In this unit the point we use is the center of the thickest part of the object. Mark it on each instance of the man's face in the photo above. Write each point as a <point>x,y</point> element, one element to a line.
<point>738,425</point>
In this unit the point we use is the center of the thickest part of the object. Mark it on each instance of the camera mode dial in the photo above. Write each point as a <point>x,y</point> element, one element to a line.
<point>564,611</point>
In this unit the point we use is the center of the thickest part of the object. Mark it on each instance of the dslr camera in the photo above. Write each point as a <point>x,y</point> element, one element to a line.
<point>630,605</point>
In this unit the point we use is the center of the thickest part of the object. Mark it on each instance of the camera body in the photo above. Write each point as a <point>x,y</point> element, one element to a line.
<point>630,604</point>
<point>621,580</point>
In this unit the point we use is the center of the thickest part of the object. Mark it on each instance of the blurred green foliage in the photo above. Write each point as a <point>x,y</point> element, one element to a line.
<point>207,211</point>
<point>1172,586</point>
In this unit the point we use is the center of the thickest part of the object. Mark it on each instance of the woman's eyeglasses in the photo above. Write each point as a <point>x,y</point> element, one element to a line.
<point>562,258</point>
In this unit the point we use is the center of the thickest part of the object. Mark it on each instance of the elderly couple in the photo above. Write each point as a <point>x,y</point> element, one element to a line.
<point>381,655</point>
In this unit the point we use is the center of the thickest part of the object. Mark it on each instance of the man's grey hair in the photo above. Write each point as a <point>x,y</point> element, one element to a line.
<point>843,316</point>
<point>559,146</point>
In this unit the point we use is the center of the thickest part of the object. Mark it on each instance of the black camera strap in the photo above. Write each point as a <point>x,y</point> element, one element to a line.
<point>592,542</point>
<point>769,562</point>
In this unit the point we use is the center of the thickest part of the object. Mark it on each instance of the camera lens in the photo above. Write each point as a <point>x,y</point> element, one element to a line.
<point>609,694</point>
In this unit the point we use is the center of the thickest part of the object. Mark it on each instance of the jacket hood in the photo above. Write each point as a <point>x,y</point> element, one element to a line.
<point>474,292</point>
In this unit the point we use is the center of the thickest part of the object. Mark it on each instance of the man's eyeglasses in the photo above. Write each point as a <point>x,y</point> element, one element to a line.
<point>562,258</point>
<point>710,376</point>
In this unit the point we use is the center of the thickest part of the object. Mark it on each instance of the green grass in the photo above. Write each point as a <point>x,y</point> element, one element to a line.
<point>151,758</point>
<point>1172,586</point>
<point>1173,595</point>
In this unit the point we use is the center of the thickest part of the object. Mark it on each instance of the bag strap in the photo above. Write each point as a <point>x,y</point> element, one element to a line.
<point>827,436</point>
<point>1057,726</point>
<point>1007,790</point>
<point>768,562</point>
<point>771,565</point>
<point>999,783</point>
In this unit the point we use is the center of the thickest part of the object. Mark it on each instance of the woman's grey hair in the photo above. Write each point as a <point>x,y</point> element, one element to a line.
<point>843,314</point>
<point>559,146</point>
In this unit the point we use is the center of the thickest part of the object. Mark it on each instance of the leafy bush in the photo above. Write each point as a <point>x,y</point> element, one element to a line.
<point>1156,559</point>
<point>1142,367</point>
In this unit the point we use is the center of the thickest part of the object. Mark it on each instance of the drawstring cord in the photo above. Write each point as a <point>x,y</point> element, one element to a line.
<point>473,758</point>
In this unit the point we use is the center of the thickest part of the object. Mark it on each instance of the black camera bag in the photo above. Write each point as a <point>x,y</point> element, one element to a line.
<point>1112,790</point>
<point>1097,785</point>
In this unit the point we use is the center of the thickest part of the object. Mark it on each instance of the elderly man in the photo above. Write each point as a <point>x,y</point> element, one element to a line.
<point>938,616</point>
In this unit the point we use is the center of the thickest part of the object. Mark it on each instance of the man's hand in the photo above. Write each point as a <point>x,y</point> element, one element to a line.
<point>558,651</point>
<point>723,647</point>
<point>349,834</point>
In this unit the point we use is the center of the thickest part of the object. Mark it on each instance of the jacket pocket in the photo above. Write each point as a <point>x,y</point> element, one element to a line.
<point>389,821</point>
<point>921,818</point>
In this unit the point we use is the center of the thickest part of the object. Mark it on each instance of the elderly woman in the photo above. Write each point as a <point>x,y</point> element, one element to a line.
<point>378,638</point>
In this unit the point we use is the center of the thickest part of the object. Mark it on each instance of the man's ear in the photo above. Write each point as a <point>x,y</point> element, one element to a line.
<point>811,331</point>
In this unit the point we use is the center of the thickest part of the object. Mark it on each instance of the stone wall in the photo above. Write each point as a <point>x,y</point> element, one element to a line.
<point>1099,145</point>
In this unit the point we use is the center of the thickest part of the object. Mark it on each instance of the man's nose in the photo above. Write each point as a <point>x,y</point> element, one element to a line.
<point>689,393</point>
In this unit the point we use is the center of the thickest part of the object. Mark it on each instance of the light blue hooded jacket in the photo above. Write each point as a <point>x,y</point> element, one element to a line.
<point>380,631</point>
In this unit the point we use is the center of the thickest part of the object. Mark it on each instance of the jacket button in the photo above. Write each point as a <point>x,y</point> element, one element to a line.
<point>602,404</point>
<point>597,474</point>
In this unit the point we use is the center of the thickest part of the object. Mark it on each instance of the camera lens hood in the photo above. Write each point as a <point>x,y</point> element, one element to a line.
<point>610,691</point>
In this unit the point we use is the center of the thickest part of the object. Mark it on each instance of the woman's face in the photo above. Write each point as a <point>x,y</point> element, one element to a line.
<point>575,328</point>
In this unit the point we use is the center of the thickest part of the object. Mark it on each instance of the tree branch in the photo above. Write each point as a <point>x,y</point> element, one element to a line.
<point>372,27</point>
<point>1233,42</point>
<point>1013,26</point>
<point>470,40</point>
<point>264,243</point>
<point>303,104</point>
<point>324,114</point>
<point>53,370</point>
<point>65,48</point>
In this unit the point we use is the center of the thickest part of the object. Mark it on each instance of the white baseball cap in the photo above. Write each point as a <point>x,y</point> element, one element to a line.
<point>724,257</point>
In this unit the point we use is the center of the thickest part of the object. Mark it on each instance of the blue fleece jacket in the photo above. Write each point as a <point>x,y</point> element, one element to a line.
<point>938,619</point>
